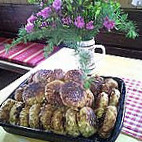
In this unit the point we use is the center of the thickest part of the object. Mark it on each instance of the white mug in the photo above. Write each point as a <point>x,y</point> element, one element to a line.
<point>97,58</point>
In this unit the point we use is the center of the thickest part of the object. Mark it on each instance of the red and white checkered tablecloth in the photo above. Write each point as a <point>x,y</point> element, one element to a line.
<point>133,117</point>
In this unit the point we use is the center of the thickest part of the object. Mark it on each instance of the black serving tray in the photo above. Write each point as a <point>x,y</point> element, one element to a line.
<point>50,136</point>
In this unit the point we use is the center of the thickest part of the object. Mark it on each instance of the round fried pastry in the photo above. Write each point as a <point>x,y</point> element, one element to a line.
<point>45,115</point>
<point>114,97</point>
<point>90,98</point>
<point>19,92</point>
<point>34,116</point>
<point>15,112</point>
<point>87,122</point>
<point>71,124</point>
<point>96,85</point>
<point>59,74</point>
<point>24,116</point>
<point>57,121</point>
<point>73,95</point>
<point>33,93</point>
<point>5,109</point>
<point>52,92</point>
<point>109,85</point>
<point>109,122</point>
<point>43,76</point>
<point>101,104</point>
<point>74,75</point>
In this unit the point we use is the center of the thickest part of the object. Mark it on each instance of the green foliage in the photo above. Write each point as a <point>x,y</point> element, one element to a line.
<point>34,1</point>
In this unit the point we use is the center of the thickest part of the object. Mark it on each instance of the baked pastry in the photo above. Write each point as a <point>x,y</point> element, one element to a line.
<point>71,124</point>
<point>5,110</point>
<point>24,116</point>
<point>90,98</point>
<point>109,85</point>
<point>101,104</point>
<point>15,112</point>
<point>87,122</point>
<point>57,121</point>
<point>114,97</point>
<point>74,75</point>
<point>18,93</point>
<point>33,93</point>
<point>45,115</point>
<point>73,95</point>
<point>34,116</point>
<point>43,76</point>
<point>109,122</point>
<point>96,85</point>
<point>59,74</point>
<point>52,92</point>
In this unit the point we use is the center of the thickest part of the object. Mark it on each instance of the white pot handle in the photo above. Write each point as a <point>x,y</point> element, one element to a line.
<point>103,51</point>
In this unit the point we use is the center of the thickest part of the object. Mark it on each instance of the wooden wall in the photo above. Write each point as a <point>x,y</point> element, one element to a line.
<point>14,1</point>
<point>126,3</point>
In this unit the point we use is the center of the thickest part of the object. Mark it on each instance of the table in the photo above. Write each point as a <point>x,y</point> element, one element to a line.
<point>111,66</point>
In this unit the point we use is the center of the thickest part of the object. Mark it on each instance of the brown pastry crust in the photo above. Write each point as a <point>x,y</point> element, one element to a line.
<point>109,85</point>
<point>87,122</point>
<point>101,104</point>
<point>90,98</point>
<point>109,122</point>
<point>5,110</point>
<point>96,85</point>
<point>34,116</point>
<point>74,75</point>
<point>33,93</point>
<point>57,121</point>
<point>59,74</point>
<point>24,116</point>
<point>43,76</point>
<point>45,115</point>
<point>52,92</point>
<point>19,92</point>
<point>71,124</point>
<point>73,95</point>
<point>114,97</point>
<point>15,112</point>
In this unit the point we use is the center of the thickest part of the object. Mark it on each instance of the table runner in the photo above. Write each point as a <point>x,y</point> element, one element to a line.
<point>30,54</point>
<point>133,117</point>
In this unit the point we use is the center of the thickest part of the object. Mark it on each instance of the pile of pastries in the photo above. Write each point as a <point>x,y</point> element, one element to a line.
<point>58,102</point>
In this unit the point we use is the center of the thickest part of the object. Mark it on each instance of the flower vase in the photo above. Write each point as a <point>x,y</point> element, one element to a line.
<point>90,47</point>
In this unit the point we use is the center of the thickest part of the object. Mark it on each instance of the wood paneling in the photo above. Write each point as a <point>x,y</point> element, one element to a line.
<point>13,16</point>
<point>14,1</point>
<point>126,3</point>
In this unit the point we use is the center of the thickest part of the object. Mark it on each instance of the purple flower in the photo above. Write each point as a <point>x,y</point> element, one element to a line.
<point>79,22</point>
<point>109,24</point>
<point>66,20</point>
<point>89,25</point>
<point>44,24</point>
<point>57,4</point>
<point>29,27</point>
<point>45,13</point>
<point>31,19</point>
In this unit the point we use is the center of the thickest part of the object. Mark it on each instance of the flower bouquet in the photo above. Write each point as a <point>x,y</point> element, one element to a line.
<point>72,21</point>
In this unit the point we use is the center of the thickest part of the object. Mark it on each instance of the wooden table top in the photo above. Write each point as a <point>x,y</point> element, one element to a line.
<point>110,66</point>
